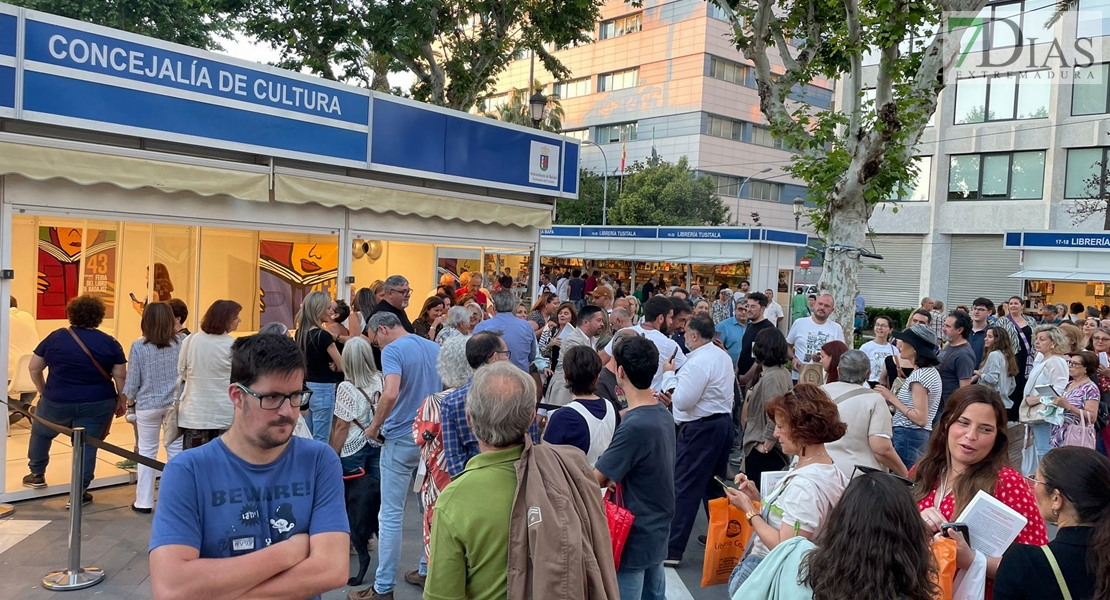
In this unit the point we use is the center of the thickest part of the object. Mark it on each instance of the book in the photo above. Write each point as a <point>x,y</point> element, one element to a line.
<point>993,525</point>
<point>769,480</point>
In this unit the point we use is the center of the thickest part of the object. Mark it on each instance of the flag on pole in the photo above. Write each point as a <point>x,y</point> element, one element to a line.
<point>654,155</point>
<point>624,152</point>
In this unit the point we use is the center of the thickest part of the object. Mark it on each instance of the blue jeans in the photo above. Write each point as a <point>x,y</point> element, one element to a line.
<point>1042,439</point>
<point>398,465</point>
<point>642,584</point>
<point>909,443</point>
<point>93,416</point>
<point>321,409</point>
<point>368,458</point>
<point>740,574</point>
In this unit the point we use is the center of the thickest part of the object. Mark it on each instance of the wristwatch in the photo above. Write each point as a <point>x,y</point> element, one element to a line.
<point>751,514</point>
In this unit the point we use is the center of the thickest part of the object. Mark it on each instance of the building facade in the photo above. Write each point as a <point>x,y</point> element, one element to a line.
<point>1011,151</point>
<point>667,76</point>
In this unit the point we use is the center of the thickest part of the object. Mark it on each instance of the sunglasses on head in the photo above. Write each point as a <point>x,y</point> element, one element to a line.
<point>869,470</point>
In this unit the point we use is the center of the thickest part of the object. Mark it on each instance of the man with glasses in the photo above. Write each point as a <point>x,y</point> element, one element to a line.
<point>409,367</point>
<point>591,321</point>
<point>395,301</point>
<point>257,512</point>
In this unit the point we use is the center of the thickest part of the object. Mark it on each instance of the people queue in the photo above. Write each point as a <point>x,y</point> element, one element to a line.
<point>651,401</point>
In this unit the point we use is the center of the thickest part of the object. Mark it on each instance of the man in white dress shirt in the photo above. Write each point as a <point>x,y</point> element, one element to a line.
<point>774,312</point>
<point>701,401</point>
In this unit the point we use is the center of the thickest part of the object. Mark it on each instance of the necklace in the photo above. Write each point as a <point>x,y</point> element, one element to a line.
<point>809,458</point>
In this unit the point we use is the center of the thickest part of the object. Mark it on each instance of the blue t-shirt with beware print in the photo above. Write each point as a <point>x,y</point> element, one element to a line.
<point>214,501</point>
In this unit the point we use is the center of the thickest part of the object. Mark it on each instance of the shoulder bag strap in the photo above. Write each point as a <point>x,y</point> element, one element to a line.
<point>1056,571</point>
<point>1021,334</point>
<point>368,401</point>
<point>852,394</point>
<point>89,354</point>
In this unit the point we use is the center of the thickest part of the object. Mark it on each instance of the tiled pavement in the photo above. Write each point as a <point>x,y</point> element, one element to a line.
<point>33,543</point>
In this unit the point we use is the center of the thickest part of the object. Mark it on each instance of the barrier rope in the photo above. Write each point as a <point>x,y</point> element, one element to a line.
<point>91,440</point>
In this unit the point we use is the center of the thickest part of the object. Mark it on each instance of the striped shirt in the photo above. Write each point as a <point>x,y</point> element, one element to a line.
<point>928,377</point>
<point>152,375</point>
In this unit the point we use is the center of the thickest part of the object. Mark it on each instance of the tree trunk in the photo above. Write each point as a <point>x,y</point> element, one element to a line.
<point>1106,219</point>
<point>847,227</point>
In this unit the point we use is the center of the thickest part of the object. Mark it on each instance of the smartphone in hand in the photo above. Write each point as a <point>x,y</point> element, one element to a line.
<point>725,484</point>
<point>960,528</point>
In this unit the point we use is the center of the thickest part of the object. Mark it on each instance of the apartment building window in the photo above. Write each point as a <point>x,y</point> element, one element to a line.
<point>729,186</point>
<point>617,80</point>
<point>1019,96</point>
<point>724,128</point>
<point>1090,94</point>
<point>763,190</point>
<point>1003,176</point>
<point>582,135</point>
<point>1003,21</point>
<point>726,70</point>
<point>716,12</point>
<point>621,26</point>
<point>1086,166</point>
<point>762,136</point>
<point>1096,22</point>
<point>571,89</point>
<point>490,103</point>
<point>618,132</point>
<point>917,189</point>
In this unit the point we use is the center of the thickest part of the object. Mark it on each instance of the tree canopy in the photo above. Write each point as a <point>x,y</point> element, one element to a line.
<point>456,48</point>
<point>191,22</point>
<point>517,110</point>
<point>666,194</point>
<point>586,209</point>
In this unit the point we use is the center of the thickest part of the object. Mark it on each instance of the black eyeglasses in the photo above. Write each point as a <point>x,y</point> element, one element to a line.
<point>870,470</point>
<point>508,353</point>
<point>274,401</point>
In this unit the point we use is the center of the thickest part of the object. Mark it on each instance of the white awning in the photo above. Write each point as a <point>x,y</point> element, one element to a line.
<point>89,164</point>
<point>1062,275</point>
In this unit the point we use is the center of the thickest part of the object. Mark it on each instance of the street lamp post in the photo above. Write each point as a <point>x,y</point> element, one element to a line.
<point>798,205</point>
<point>605,189</point>
<point>537,104</point>
<point>739,192</point>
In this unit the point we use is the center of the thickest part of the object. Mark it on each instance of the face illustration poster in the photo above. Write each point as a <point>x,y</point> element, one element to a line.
<point>289,271</point>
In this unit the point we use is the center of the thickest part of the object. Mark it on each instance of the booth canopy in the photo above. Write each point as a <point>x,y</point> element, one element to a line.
<point>696,245</point>
<point>1062,255</point>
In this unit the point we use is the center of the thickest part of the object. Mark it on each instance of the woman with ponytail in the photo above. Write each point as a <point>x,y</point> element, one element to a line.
<point>1072,488</point>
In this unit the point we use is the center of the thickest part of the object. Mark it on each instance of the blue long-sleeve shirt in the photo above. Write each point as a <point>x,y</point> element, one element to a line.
<point>459,443</point>
<point>518,337</point>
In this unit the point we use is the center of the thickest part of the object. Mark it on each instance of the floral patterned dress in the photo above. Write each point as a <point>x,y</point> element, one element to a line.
<point>427,431</point>
<point>1077,397</point>
<point>1012,490</point>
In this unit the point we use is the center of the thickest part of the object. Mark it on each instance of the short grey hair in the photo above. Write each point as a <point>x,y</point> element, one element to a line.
<point>501,404</point>
<point>383,318</point>
<point>358,363</point>
<point>396,281</point>
<point>619,312</point>
<point>505,302</point>
<point>451,363</point>
<point>457,315</point>
<point>854,367</point>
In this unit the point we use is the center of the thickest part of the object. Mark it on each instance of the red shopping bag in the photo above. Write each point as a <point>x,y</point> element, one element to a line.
<point>620,523</point>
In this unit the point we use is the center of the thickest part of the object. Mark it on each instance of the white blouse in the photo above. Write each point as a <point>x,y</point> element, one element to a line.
<point>205,367</point>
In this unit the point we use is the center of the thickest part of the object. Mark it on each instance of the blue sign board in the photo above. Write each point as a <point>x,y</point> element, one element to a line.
<point>86,76</point>
<point>693,234</point>
<point>1049,240</point>
<point>411,138</point>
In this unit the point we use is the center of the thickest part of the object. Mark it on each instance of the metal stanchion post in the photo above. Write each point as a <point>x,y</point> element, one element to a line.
<point>75,577</point>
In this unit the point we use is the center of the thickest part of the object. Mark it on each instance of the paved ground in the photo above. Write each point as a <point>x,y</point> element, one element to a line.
<point>33,543</point>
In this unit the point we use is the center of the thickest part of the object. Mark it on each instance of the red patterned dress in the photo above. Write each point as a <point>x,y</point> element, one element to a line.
<point>1012,490</point>
<point>427,431</point>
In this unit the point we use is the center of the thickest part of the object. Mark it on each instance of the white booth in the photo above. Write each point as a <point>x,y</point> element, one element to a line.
<point>140,170</point>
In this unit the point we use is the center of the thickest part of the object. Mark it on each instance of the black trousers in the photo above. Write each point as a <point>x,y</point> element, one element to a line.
<point>757,463</point>
<point>702,451</point>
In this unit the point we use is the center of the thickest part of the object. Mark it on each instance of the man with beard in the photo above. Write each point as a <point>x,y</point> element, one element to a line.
<point>808,334</point>
<point>658,314</point>
<point>257,512</point>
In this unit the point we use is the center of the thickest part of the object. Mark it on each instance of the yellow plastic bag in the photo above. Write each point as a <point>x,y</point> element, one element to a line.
<point>944,549</point>
<point>728,535</point>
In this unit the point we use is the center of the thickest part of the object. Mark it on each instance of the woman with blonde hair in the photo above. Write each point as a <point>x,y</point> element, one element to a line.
<point>356,399</point>
<point>323,362</point>
<point>1049,371</point>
